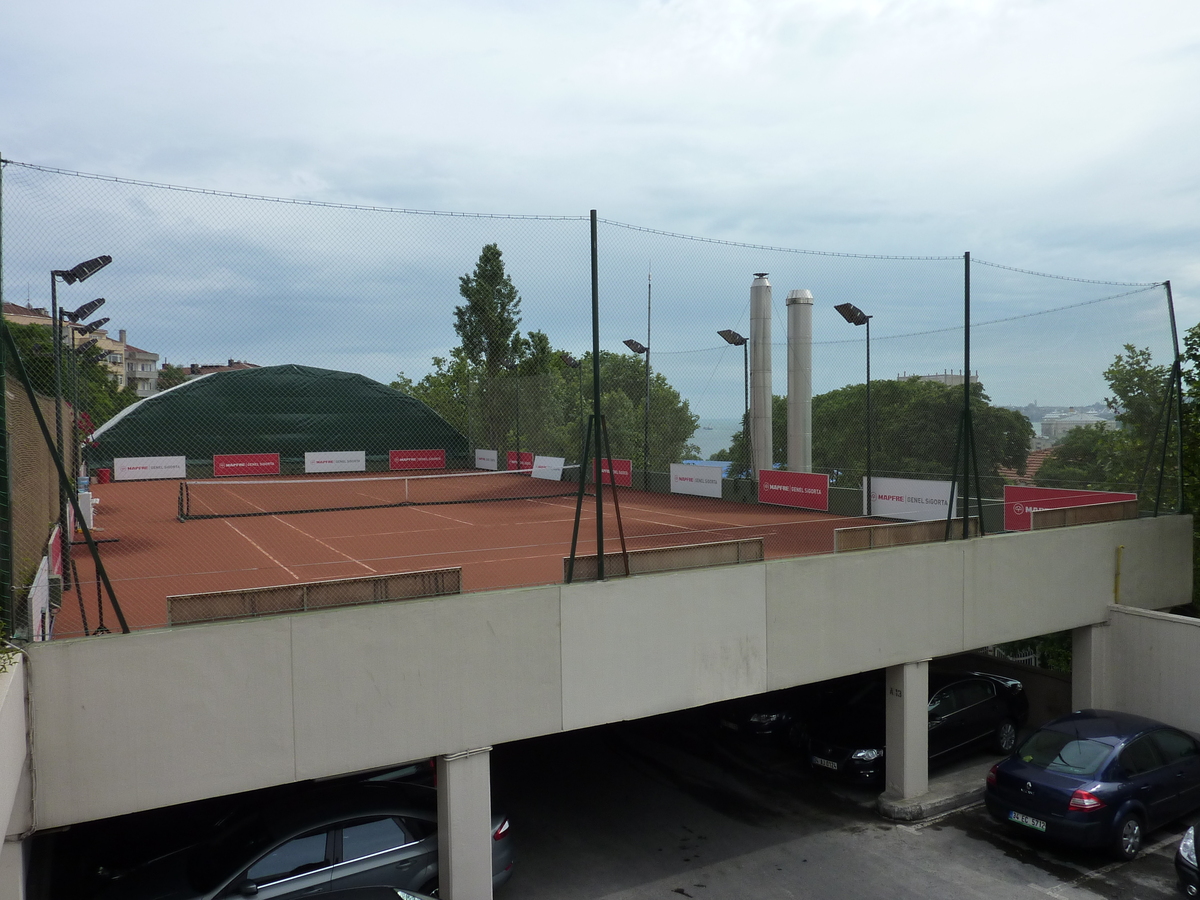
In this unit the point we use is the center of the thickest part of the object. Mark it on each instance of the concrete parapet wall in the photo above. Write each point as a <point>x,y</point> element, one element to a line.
<point>1153,665</point>
<point>133,722</point>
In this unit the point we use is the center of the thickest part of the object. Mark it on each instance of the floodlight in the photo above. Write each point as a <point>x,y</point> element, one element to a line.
<point>84,270</point>
<point>852,314</point>
<point>636,347</point>
<point>84,311</point>
<point>569,360</point>
<point>732,337</point>
<point>90,326</point>
<point>86,346</point>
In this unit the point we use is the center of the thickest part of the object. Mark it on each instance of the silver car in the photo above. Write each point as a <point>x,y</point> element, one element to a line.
<point>326,838</point>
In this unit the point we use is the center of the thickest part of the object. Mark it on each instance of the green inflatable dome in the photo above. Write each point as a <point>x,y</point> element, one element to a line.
<point>289,410</point>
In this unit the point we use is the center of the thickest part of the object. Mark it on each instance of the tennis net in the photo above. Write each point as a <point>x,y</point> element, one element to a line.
<point>230,498</point>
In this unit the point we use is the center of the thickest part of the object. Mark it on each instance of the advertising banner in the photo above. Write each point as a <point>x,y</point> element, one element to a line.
<point>54,552</point>
<point>486,459</point>
<point>1020,501</point>
<point>518,462</point>
<point>336,461</point>
<point>417,459</point>
<point>703,481</point>
<point>802,489</point>
<point>135,468</point>
<point>39,602</point>
<point>914,499</point>
<point>246,464</point>
<point>548,467</point>
<point>622,468</point>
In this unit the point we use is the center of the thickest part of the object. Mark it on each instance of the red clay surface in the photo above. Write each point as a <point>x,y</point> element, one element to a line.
<point>150,555</point>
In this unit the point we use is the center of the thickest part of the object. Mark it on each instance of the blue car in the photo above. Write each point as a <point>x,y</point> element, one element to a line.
<point>1097,778</point>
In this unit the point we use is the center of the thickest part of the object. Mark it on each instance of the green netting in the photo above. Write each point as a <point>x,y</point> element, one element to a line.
<point>290,410</point>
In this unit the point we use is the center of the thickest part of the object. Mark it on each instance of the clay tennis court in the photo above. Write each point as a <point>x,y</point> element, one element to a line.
<point>150,554</point>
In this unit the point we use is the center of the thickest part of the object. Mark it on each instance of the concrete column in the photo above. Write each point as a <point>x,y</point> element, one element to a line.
<point>12,870</point>
<point>760,374</point>
<point>907,711</point>
<point>1089,663</point>
<point>465,825</point>
<point>799,396</point>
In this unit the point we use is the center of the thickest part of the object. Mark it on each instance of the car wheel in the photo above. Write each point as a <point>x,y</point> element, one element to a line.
<point>430,888</point>
<point>1005,736</point>
<point>797,737</point>
<point>1129,834</point>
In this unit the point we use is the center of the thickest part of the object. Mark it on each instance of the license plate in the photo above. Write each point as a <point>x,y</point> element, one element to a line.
<point>1027,821</point>
<point>826,763</point>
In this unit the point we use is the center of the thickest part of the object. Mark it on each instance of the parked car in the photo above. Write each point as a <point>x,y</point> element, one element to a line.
<point>1185,864</point>
<point>788,714</point>
<point>326,838</point>
<point>374,893</point>
<point>966,709</point>
<point>1097,778</point>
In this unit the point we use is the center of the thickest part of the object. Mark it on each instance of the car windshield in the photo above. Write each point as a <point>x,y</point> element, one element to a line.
<point>1056,751</point>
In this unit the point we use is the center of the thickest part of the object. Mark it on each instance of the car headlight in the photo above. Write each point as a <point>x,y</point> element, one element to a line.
<point>866,755</point>
<point>1187,847</point>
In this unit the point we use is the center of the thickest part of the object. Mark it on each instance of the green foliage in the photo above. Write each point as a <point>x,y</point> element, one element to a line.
<point>914,432</point>
<point>98,393</point>
<point>1080,461</point>
<point>487,322</point>
<point>170,376</point>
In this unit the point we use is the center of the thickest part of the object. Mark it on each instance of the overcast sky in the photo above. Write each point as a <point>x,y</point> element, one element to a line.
<point>1058,136</point>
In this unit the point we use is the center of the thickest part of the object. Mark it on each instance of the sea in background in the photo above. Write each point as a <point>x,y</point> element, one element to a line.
<point>713,435</point>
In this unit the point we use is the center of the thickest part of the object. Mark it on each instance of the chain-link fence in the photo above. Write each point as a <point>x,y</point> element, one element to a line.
<point>293,329</point>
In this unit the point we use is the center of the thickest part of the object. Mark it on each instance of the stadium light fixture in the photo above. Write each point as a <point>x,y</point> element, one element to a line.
<point>90,327</point>
<point>856,316</point>
<point>640,349</point>
<point>84,311</point>
<point>572,363</point>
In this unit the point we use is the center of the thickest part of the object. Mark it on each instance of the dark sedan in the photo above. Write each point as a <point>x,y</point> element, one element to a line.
<point>1097,778</point>
<point>327,838</point>
<point>966,709</point>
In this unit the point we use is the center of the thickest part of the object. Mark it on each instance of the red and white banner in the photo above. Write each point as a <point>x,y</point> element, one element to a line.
<point>804,489</point>
<point>1020,501</point>
<point>134,468</point>
<point>246,464</point>
<point>523,463</point>
<point>54,552</point>
<point>417,459</point>
<point>621,468</point>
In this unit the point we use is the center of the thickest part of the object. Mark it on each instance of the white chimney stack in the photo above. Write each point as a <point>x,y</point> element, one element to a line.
<point>799,402</point>
<point>760,373</point>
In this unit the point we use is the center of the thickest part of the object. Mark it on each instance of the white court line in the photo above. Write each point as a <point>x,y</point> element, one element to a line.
<point>312,537</point>
<point>259,548</point>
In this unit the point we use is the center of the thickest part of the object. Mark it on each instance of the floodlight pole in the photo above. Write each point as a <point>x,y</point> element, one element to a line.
<point>596,398</point>
<point>732,337</point>
<point>79,273</point>
<point>640,349</point>
<point>856,316</point>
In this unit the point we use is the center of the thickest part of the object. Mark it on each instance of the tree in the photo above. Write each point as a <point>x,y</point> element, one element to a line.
<point>487,322</point>
<point>170,376</point>
<point>914,428</point>
<point>97,390</point>
<point>1080,460</point>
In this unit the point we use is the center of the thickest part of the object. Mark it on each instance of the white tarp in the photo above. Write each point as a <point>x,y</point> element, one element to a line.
<point>336,461</point>
<point>135,468</point>
<point>39,602</point>
<point>703,481</point>
<point>914,499</point>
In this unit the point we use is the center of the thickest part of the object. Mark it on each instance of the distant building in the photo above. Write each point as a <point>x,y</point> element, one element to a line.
<point>114,351</point>
<point>1056,426</point>
<point>141,369</point>
<point>949,378</point>
<point>195,371</point>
